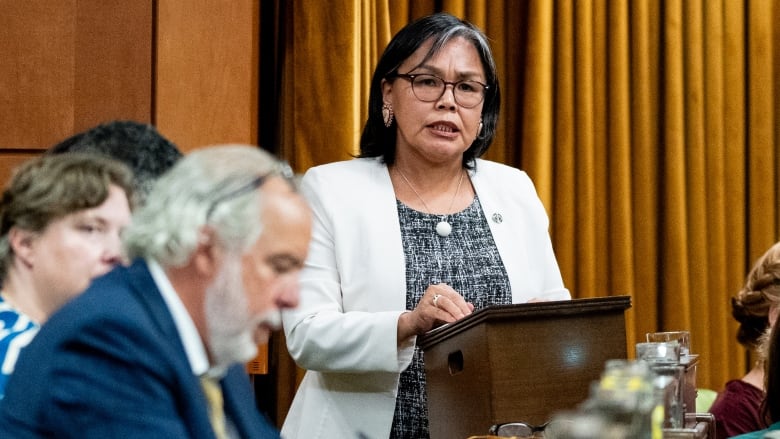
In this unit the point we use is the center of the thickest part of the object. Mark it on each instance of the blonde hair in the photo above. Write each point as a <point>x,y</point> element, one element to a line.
<point>750,307</point>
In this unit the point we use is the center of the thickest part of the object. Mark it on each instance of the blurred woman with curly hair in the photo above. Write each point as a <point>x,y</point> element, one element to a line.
<point>737,409</point>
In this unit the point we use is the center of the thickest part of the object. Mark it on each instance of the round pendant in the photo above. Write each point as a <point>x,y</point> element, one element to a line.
<point>443,228</point>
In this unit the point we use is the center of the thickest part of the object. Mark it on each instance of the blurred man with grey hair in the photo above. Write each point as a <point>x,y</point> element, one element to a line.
<point>157,349</point>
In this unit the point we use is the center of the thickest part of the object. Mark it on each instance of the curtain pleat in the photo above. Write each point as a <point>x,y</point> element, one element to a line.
<point>762,179</point>
<point>697,190</point>
<point>648,127</point>
<point>562,141</point>
<point>585,199</point>
<point>674,246</point>
<point>715,300</point>
<point>540,128</point>
<point>601,147</point>
<point>619,236</point>
<point>643,117</point>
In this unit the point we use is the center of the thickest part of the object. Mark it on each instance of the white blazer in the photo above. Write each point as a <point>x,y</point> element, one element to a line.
<point>353,290</point>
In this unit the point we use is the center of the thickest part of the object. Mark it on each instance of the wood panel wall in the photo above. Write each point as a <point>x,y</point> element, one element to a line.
<point>207,70</point>
<point>68,65</point>
<point>189,67</point>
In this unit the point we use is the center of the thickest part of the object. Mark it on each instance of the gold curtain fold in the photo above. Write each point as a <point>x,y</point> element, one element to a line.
<point>647,126</point>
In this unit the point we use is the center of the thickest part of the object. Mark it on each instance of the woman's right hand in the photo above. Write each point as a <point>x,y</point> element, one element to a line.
<point>439,304</point>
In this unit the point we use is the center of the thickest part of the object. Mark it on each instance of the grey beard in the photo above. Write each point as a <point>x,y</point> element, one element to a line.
<point>230,329</point>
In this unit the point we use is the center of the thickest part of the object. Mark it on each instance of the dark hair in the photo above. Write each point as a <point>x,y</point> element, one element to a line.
<point>139,146</point>
<point>751,305</point>
<point>378,140</point>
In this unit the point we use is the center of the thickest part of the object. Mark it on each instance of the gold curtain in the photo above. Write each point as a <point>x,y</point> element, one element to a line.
<point>647,126</point>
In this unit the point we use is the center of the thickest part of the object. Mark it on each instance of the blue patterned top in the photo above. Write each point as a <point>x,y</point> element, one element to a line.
<point>16,332</point>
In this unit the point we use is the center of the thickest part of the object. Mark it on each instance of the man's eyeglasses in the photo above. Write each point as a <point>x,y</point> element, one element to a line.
<point>430,88</point>
<point>281,169</point>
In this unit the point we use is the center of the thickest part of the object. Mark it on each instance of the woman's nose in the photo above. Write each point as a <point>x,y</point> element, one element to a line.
<point>112,253</point>
<point>447,99</point>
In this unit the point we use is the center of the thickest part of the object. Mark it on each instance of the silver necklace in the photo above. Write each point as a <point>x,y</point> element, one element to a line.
<point>443,227</point>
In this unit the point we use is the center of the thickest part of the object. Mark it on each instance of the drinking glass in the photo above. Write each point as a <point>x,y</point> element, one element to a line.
<point>682,337</point>
<point>659,352</point>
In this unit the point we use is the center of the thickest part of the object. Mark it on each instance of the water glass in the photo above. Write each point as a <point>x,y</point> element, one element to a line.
<point>658,352</point>
<point>682,337</point>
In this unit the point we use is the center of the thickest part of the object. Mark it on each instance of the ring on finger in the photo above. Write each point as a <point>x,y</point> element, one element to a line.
<point>435,299</point>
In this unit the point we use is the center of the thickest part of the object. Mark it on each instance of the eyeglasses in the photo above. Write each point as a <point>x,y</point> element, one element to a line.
<point>430,88</point>
<point>518,429</point>
<point>281,169</point>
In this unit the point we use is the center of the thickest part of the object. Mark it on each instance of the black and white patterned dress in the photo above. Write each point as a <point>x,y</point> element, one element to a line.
<point>469,262</point>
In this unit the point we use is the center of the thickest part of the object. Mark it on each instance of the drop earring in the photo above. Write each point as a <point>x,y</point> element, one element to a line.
<point>387,114</point>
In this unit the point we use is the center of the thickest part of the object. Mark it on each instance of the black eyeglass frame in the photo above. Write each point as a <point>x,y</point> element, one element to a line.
<point>410,77</point>
<point>282,169</point>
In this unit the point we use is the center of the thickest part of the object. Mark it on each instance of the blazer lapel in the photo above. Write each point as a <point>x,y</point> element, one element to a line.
<point>146,292</point>
<point>241,408</point>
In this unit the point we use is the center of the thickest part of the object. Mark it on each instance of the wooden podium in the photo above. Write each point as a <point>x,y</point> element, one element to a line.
<point>519,363</point>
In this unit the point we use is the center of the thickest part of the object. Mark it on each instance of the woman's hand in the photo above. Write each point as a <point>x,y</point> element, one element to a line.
<point>439,304</point>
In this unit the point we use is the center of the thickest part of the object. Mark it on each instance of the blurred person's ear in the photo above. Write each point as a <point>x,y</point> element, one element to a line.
<point>774,311</point>
<point>207,255</point>
<point>21,242</point>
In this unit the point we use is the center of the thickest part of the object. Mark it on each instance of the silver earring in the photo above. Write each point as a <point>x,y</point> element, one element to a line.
<point>387,114</point>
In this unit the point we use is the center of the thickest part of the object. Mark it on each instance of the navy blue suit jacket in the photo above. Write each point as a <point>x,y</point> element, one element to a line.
<point>110,364</point>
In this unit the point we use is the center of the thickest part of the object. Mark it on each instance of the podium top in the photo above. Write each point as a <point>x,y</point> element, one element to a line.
<point>532,310</point>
